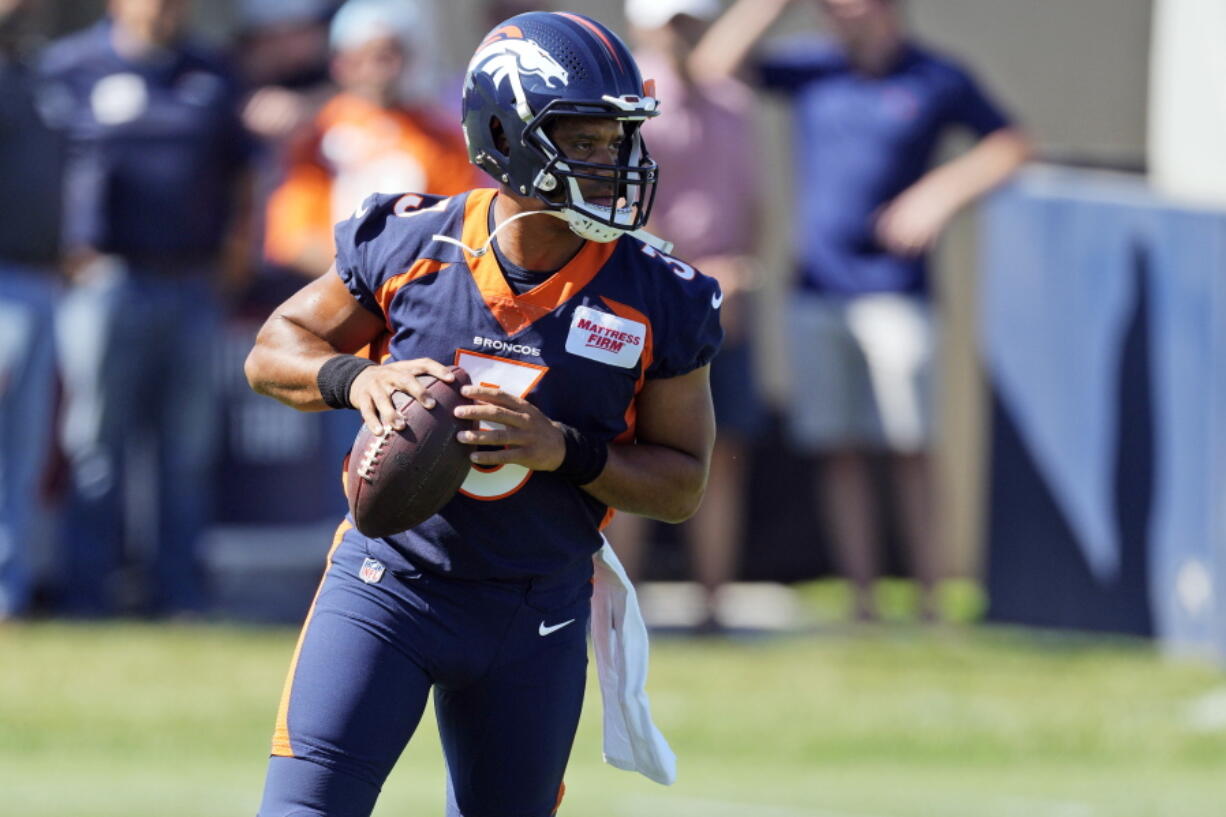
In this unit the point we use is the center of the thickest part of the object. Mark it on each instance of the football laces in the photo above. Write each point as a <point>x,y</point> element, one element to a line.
<point>370,457</point>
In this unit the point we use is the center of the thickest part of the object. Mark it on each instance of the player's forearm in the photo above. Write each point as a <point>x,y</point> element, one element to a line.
<point>985,166</point>
<point>724,47</point>
<point>284,364</point>
<point>651,480</point>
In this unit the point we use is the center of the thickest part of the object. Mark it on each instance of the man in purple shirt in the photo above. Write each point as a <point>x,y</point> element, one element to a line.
<point>870,107</point>
<point>713,218</point>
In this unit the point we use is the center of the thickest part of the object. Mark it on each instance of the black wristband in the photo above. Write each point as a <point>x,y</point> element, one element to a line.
<point>336,376</point>
<point>586,455</point>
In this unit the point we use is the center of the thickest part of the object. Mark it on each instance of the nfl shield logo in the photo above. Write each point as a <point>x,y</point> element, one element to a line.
<point>371,572</point>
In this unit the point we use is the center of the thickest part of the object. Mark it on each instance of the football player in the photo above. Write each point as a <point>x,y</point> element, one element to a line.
<point>588,347</point>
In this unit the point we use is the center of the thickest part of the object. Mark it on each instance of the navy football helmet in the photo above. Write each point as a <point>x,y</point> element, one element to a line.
<point>536,67</point>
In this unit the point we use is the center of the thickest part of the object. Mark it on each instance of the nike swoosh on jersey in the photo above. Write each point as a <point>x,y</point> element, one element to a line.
<point>717,299</point>
<point>548,630</point>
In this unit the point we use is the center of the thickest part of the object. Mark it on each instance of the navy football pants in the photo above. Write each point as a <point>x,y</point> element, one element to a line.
<point>508,687</point>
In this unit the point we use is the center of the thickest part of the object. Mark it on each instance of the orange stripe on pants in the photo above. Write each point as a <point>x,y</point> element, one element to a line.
<point>280,733</point>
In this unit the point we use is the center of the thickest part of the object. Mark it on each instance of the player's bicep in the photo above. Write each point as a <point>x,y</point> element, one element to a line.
<point>677,412</point>
<point>327,310</point>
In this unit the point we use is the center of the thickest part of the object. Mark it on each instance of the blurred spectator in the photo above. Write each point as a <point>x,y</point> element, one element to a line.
<point>869,108</point>
<point>494,12</point>
<point>380,134</point>
<point>282,54</point>
<point>708,206</point>
<point>157,186</point>
<point>31,160</point>
<point>491,13</point>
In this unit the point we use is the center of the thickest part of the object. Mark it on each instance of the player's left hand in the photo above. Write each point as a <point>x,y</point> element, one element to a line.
<point>530,438</point>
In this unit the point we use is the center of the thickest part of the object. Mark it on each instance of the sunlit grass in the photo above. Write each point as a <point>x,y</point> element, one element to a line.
<point>896,720</point>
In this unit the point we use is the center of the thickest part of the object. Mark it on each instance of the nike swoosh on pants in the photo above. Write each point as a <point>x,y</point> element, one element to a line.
<point>547,630</point>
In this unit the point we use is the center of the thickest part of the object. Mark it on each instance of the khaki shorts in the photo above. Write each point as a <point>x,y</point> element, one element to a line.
<point>861,372</point>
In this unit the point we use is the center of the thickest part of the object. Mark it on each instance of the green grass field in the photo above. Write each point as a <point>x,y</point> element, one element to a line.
<point>133,720</point>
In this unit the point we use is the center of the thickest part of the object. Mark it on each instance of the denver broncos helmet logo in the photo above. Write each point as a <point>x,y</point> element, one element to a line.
<point>513,59</point>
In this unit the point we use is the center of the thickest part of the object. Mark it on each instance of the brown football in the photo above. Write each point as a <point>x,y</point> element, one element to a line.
<point>399,479</point>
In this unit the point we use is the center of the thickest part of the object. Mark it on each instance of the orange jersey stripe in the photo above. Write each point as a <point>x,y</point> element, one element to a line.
<point>630,313</point>
<point>378,350</point>
<point>515,313</point>
<point>421,268</point>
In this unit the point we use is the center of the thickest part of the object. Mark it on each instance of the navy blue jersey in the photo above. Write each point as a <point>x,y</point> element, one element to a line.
<point>155,145</point>
<point>579,346</point>
<point>860,141</point>
<point>31,163</point>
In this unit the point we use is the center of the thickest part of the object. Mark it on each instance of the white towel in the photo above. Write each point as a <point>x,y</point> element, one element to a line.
<point>619,638</point>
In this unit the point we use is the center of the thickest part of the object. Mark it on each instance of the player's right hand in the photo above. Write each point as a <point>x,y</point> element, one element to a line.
<point>371,391</point>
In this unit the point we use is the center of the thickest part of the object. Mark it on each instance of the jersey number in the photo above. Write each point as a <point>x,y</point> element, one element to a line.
<point>683,270</point>
<point>513,377</point>
<point>410,204</point>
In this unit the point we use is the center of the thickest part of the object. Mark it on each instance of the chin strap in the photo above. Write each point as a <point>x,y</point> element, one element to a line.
<point>660,244</point>
<point>484,248</point>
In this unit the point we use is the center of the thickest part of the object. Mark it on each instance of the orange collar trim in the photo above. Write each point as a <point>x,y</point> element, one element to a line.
<point>515,313</point>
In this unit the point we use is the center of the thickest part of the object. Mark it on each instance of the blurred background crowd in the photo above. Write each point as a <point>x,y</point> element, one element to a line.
<point>1025,399</point>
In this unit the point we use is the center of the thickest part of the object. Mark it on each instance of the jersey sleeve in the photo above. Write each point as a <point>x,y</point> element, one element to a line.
<point>691,333</point>
<point>972,108</point>
<point>789,66</point>
<point>361,267</point>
